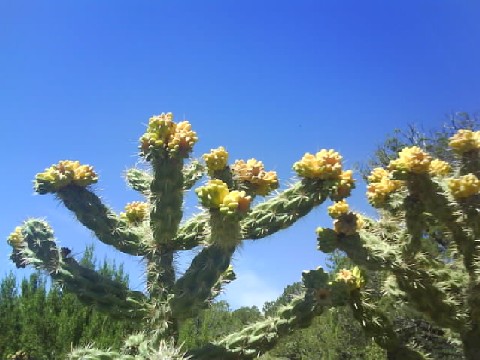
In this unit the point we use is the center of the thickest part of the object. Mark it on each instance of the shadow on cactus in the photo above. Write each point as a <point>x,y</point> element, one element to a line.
<point>427,239</point>
<point>155,229</point>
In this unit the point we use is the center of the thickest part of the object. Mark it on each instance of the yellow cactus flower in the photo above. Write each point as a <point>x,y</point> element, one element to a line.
<point>353,278</point>
<point>62,174</point>
<point>212,194</point>
<point>84,175</point>
<point>411,159</point>
<point>439,168</point>
<point>235,203</point>
<point>135,212</point>
<point>216,159</point>
<point>162,126</point>
<point>465,186</point>
<point>344,275</point>
<point>378,174</point>
<point>325,164</point>
<point>253,174</point>
<point>337,209</point>
<point>464,141</point>
<point>377,192</point>
<point>15,239</point>
<point>182,140</point>
<point>345,185</point>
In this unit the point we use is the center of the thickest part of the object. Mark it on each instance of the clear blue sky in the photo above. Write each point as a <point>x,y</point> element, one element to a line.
<point>265,79</point>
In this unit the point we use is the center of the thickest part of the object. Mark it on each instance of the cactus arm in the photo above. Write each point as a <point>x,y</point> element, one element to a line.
<point>192,233</point>
<point>36,246</point>
<point>421,284</point>
<point>264,219</point>
<point>139,180</point>
<point>192,172</point>
<point>258,338</point>
<point>434,199</point>
<point>377,325</point>
<point>284,209</point>
<point>166,197</point>
<point>194,288</point>
<point>92,213</point>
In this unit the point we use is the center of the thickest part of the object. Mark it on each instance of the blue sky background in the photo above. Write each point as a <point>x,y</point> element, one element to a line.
<point>265,79</point>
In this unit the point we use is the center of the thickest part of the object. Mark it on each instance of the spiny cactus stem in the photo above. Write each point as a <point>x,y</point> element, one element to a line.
<point>166,197</point>
<point>91,212</point>
<point>284,209</point>
<point>377,325</point>
<point>435,202</point>
<point>258,338</point>
<point>194,288</point>
<point>415,225</point>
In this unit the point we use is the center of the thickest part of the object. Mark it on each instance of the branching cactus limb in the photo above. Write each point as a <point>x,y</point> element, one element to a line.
<point>258,338</point>
<point>33,244</point>
<point>431,246</point>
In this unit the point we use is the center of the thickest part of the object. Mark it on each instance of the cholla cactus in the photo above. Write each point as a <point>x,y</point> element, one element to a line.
<point>423,202</point>
<point>155,229</point>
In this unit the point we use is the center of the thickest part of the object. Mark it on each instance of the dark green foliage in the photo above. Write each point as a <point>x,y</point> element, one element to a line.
<point>45,322</point>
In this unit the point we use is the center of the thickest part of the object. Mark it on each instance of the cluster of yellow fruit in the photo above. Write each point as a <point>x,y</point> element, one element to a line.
<point>64,173</point>
<point>15,239</point>
<point>380,185</point>
<point>252,172</point>
<point>353,278</point>
<point>216,159</point>
<point>338,208</point>
<point>216,195</point>
<point>464,141</point>
<point>415,160</point>
<point>135,212</point>
<point>345,222</point>
<point>464,186</point>
<point>324,165</point>
<point>164,134</point>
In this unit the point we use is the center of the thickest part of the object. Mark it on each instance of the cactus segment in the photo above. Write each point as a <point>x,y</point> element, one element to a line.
<point>38,248</point>
<point>107,226</point>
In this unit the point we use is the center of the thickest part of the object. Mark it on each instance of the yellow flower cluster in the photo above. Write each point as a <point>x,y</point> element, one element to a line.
<point>324,165</point>
<point>253,174</point>
<point>163,133</point>
<point>380,186</point>
<point>411,159</point>
<point>15,239</point>
<point>348,223</point>
<point>215,195</point>
<point>439,168</point>
<point>337,209</point>
<point>464,141</point>
<point>345,185</point>
<point>235,202</point>
<point>465,186</point>
<point>216,159</point>
<point>64,173</point>
<point>135,212</point>
<point>378,174</point>
<point>353,278</point>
